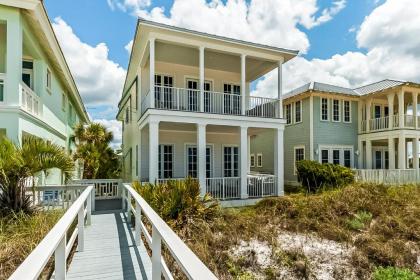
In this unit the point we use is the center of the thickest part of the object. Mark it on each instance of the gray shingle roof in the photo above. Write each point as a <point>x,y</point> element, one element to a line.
<point>367,89</point>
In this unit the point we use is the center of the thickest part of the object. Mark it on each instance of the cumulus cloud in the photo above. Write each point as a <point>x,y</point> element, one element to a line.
<point>98,78</point>
<point>115,127</point>
<point>129,46</point>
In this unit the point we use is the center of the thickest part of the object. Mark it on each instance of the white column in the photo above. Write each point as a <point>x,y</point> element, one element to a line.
<point>139,157</point>
<point>401,152</point>
<point>153,151</point>
<point>279,160</point>
<point>401,112</point>
<point>368,113</point>
<point>416,153</point>
<point>390,98</point>
<point>360,105</point>
<point>368,154</point>
<point>360,155</point>
<point>243,83</point>
<point>152,71</point>
<point>249,153</point>
<point>391,152</point>
<point>415,108</point>
<point>244,161</point>
<point>201,155</point>
<point>13,59</point>
<point>201,79</point>
<point>280,87</point>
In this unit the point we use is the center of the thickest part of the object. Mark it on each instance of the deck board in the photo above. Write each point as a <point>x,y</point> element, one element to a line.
<point>110,251</point>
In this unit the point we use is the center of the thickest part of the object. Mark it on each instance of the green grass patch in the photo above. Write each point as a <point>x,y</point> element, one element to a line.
<point>394,273</point>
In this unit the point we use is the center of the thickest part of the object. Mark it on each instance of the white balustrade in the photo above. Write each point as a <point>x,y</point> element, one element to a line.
<point>162,234</point>
<point>396,120</point>
<point>388,176</point>
<point>224,187</point>
<point>30,102</point>
<point>56,243</point>
<point>409,121</point>
<point>104,188</point>
<point>145,102</point>
<point>53,196</point>
<point>260,185</point>
<point>379,124</point>
<point>262,107</point>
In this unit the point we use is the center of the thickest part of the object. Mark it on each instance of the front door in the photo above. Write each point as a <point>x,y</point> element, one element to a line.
<point>381,158</point>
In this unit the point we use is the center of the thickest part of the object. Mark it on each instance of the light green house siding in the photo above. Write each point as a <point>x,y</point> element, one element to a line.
<point>263,143</point>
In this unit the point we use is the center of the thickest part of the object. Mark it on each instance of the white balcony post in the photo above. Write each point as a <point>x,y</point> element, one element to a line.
<point>391,152</point>
<point>244,161</point>
<point>279,160</point>
<point>153,151</point>
<point>368,154</point>
<point>60,263</point>
<point>401,112</point>
<point>14,43</point>
<point>152,71</point>
<point>401,152</point>
<point>201,152</point>
<point>201,79</point>
<point>390,110</point>
<point>249,153</point>
<point>280,87</point>
<point>243,84</point>
<point>416,154</point>
<point>360,115</point>
<point>360,156</point>
<point>368,113</point>
<point>415,109</point>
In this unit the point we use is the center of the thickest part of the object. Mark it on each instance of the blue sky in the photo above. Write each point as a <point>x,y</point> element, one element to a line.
<point>343,42</point>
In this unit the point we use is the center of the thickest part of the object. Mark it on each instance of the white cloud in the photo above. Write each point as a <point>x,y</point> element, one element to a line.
<point>129,46</point>
<point>115,127</point>
<point>98,78</point>
<point>329,13</point>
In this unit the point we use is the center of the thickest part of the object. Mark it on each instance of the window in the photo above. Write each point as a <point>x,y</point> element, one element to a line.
<point>336,157</point>
<point>299,155</point>
<point>49,80</point>
<point>165,161</point>
<point>324,109</point>
<point>63,102</point>
<point>192,161</point>
<point>336,110</point>
<point>377,111</point>
<point>252,160</point>
<point>324,156</point>
<point>230,161</point>
<point>28,72</point>
<point>288,113</point>
<point>347,158</point>
<point>347,111</point>
<point>1,90</point>
<point>298,111</point>
<point>127,115</point>
<point>259,160</point>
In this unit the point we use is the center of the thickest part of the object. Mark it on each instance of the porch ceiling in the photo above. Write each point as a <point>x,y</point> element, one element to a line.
<point>171,126</point>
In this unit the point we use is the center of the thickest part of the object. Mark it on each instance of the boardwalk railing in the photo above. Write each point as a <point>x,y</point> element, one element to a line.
<point>54,196</point>
<point>104,188</point>
<point>388,176</point>
<point>186,259</point>
<point>55,242</point>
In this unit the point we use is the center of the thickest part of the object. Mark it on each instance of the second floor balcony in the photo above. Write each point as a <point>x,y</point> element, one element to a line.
<point>192,100</point>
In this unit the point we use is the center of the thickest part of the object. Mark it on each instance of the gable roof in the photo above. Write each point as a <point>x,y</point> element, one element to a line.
<point>360,91</point>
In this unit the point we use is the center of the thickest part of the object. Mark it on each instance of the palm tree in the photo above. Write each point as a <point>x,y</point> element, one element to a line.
<point>17,164</point>
<point>93,147</point>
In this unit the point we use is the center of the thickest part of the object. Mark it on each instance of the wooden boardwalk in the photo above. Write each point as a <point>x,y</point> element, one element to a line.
<point>110,251</point>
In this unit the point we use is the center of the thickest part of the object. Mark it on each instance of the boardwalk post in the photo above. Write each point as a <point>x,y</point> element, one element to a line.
<point>138,221</point>
<point>89,210</point>
<point>80,229</point>
<point>123,201</point>
<point>92,197</point>
<point>60,260</point>
<point>156,254</point>
<point>129,208</point>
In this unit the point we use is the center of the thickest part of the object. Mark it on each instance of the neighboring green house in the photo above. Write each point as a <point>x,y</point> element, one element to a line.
<point>367,128</point>
<point>38,95</point>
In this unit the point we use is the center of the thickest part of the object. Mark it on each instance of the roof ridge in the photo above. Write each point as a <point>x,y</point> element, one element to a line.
<point>377,82</point>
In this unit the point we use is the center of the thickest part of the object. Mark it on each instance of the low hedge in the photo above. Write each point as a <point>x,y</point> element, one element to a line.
<point>315,176</point>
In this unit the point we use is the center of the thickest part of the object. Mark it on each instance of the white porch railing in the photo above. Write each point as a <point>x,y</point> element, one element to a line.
<point>263,107</point>
<point>55,242</point>
<point>409,121</point>
<point>388,176</point>
<point>384,123</point>
<point>396,121</point>
<point>224,188</point>
<point>30,102</point>
<point>260,185</point>
<point>379,124</point>
<point>190,264</point>
<point>54,196</point>
<point>165,180</point>
<point>104,188</point>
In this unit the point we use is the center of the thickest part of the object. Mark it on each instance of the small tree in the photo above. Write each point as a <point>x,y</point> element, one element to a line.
<point>93,147</point>
<point>18,164</point>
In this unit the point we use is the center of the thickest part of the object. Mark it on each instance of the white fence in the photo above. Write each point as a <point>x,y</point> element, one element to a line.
<point>388,176</point>
<point>190,264</point>
<point>224,188</point>
<point>261,185</point>
<point>54,196</point>
<point>104,188</point>
<point>263,107</point>
<point>55,242</point>
<point>30,102</point>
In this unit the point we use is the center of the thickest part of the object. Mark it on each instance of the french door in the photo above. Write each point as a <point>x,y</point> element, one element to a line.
<point>192,161</point>
<point>164,91</point>
<point>166,165</point>
<point>381,158</point>
<point>230,161</point>
<point>192,89</point>
<point>232,99</point>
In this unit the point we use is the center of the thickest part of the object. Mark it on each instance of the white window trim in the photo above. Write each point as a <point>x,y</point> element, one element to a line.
<point>328,109</point>
<point>49,87</point>
<point>260,155</point>
<point>294,156</point>
<point>344,112</point>
<point>330,148</point>
<point>250,160</point>
<point>301,115</point>
<point>332,111</point>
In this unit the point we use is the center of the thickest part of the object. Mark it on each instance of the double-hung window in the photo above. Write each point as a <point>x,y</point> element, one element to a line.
<point>325,156</point>
<point>298,111</point>
<point>324,109</point>
<point>1,90</point>
<point>49,80</point>
<point>347,158</point>
<point>63,102</point>
<point>252,160</point>
<point>336,156</point>
<point>299,155</point>
<point>288,113</point>
<point>336,110</point>
<point>347,111</point>
<point>259,160</point>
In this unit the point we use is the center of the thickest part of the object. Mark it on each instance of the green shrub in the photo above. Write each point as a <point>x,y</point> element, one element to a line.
<point>394,273</point>
<point>360,220</point>
<point>315,176</point>
<point>178,202</point>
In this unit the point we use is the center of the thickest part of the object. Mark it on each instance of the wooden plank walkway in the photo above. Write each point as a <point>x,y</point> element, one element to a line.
<point>110,251</point>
